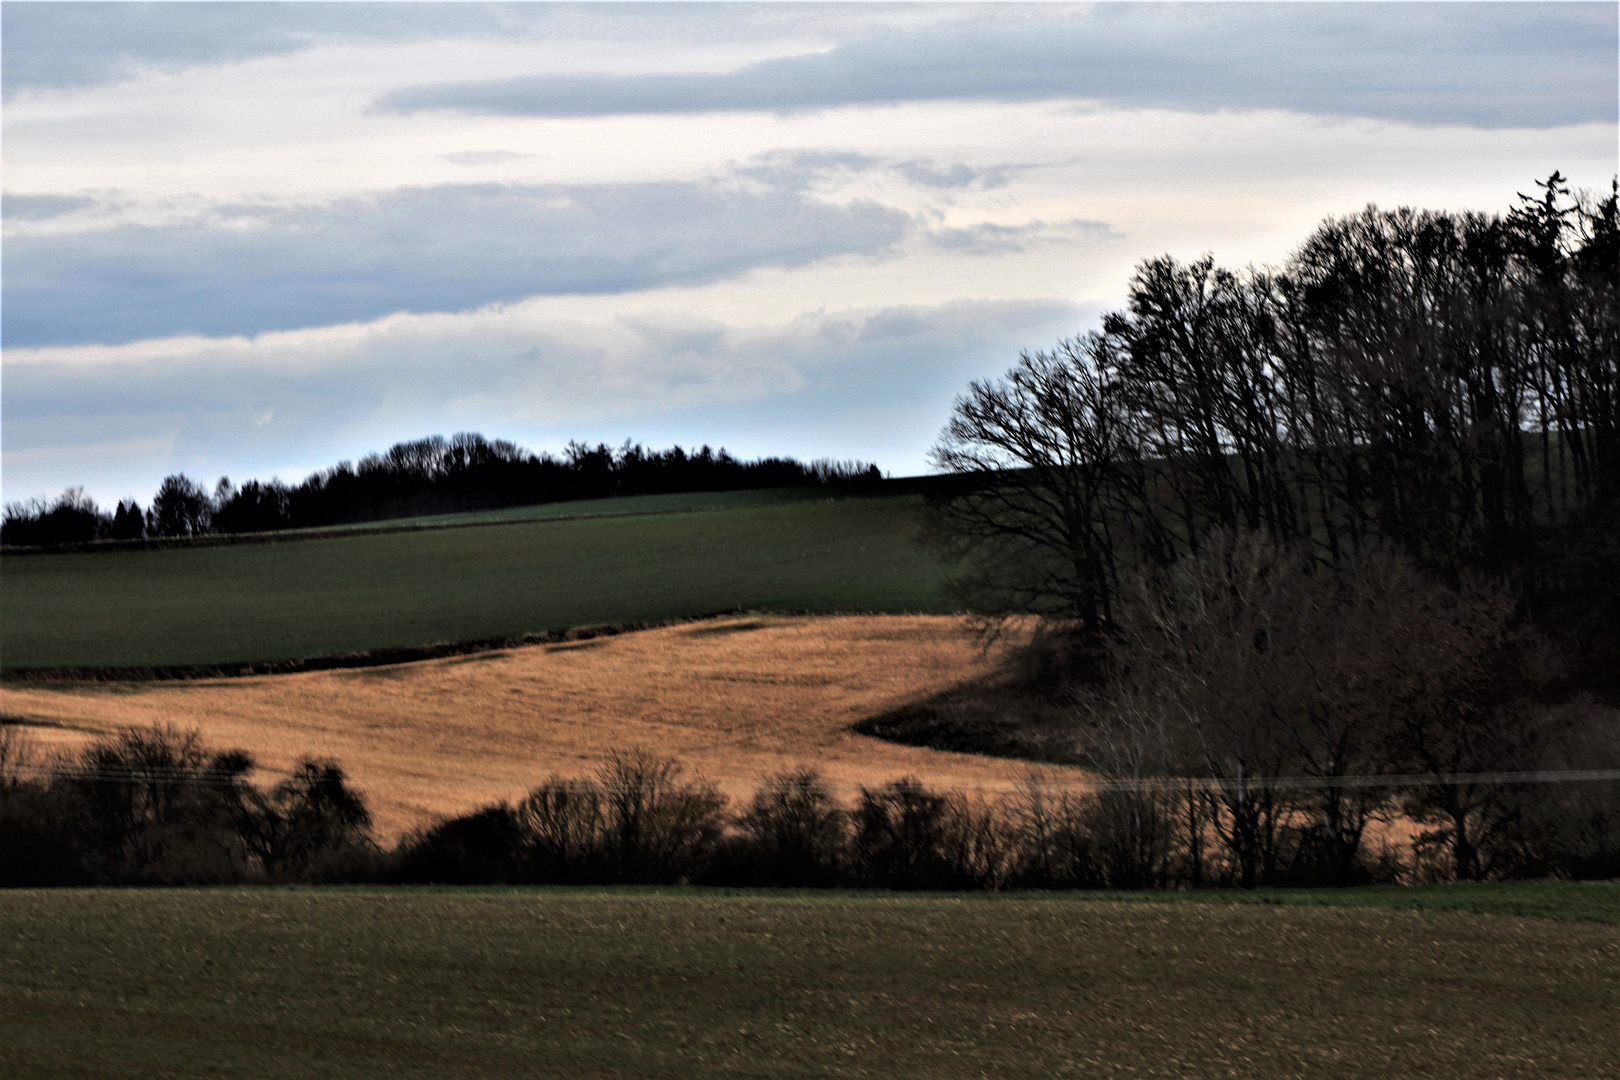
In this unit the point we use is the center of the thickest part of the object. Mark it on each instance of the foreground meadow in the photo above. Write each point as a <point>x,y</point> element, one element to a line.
<point>448,983</point>
<point>735,700</point>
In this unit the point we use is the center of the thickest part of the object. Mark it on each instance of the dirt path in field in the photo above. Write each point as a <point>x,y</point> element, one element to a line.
<point>734,699</point>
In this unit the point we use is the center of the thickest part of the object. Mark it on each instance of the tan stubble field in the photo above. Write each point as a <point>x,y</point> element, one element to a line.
<point>734,700</point>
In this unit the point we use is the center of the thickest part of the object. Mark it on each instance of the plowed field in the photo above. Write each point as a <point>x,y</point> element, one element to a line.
<point>734,699</point>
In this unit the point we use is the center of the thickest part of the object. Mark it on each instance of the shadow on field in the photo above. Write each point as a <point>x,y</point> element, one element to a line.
<point>1023,710</point>
<point>727,628</point>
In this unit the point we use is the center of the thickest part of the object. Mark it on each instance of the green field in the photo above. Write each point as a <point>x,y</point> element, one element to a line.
<point>673,983</point>
<point>535,571</point>
<point>1598,901</point>
<point>628,504</point>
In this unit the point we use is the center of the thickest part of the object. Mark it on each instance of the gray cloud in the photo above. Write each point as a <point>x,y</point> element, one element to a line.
<point>247,270</point>
<point>49,45</point>
<point>41,207</point>
<point>1485,65</point>
<point>801,170</point>
<point>932,174</point>
<point>988,238</point>
<point>90,44</point>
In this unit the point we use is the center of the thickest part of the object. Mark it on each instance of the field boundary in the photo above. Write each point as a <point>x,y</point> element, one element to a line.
<point>382,657</point>
<point>325,532</point>
<point>892,489</point>
<point>365,658</point>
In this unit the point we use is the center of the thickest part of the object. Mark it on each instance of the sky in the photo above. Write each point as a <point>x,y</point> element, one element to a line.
<point>252,240</point>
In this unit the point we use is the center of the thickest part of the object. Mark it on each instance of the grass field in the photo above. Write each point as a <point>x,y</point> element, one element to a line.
<point>1597,901</point>
<point>559,983</point>
<point>615,507</point>
<point>337,593</point>
<point>735,699</point>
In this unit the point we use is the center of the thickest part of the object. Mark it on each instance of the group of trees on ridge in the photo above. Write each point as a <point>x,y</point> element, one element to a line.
<point>154,806</point>
<point>1319,528</point>
<point>1446,384</point>
<point>428,476</point>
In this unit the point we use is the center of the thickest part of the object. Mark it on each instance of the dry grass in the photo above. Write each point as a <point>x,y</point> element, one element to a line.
<point>735,699</point>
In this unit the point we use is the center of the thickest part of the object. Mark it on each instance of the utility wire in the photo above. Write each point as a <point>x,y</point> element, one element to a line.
<point>1323,783</point>
<point>169,775</point>
<point>139,775</point>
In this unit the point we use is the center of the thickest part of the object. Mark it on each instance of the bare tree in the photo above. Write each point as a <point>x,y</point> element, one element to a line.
<point>797,830</point>
<point>1047,476</point>
<point>658,826</point>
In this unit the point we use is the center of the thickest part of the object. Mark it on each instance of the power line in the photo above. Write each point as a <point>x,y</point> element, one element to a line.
<point>158,775</point>
<point>1324,783</point>
<point>173,775</point>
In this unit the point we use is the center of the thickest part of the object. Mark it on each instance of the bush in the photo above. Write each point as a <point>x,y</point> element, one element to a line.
<point>562,826</point>
<point>907,837</point>
<point>312,827</point>
<point>71,519</point>
<point>793,834</point>
<point>155,806</point>
<point>481,848</point>
<point>1055,844</point>
<point>1570,829</point>
<point>657,828</point>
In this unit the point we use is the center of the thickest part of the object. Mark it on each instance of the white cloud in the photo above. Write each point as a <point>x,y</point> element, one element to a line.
<point>483,157</point>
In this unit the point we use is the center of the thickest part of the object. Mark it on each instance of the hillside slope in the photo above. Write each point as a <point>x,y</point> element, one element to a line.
<point>735,699</point>
<point>200,605</point>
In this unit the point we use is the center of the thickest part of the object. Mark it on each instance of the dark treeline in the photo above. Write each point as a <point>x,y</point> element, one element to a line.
<point>429,476</point>
<point>154,807</point>
<point>1445,383</point>
<point>1347,521</point>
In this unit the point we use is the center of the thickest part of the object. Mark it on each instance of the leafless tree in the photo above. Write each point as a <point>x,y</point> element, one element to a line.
<point>1048,475</point>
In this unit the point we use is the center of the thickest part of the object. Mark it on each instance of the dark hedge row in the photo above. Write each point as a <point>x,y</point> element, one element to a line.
<point>154,807</point>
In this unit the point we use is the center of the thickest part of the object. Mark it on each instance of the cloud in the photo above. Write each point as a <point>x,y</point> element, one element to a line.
<point>989,238</point>
<point>1484,65</point>
<point>55,45</point>
<point>250,269</point>
<point>804,170</point>
<point>483,157</point>
<point>41,207</point>
<point>933,174</point>
<point>873,383</point>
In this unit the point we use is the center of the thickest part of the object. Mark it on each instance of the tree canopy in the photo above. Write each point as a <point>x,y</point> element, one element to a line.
<point>1445,382</point>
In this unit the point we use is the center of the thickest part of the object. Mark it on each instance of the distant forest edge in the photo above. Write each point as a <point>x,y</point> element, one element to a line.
<point>435,475</point>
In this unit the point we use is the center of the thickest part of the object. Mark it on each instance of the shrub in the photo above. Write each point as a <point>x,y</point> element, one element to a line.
<point>793,834</point>
<point>312,827</point>
<point>907,837</point>
<point>154,806</point>
<point>657,828</point>
<point>1055,845</point>
<point>562,823</point>
<point>481,848</point>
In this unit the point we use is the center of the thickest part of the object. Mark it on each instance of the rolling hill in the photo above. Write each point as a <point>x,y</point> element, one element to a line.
<point>472,577</point>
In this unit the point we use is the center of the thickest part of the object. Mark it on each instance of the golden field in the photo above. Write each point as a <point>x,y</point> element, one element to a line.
<point>734,699</point>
